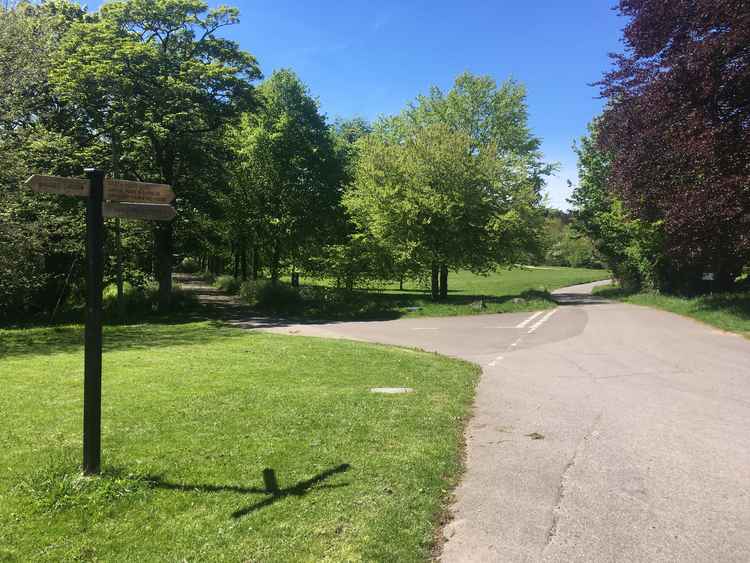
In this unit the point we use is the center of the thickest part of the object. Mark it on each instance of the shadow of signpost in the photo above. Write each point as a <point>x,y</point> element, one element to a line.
<point>271,488</point>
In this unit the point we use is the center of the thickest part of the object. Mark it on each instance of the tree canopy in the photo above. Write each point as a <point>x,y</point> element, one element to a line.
<point>677,130</point>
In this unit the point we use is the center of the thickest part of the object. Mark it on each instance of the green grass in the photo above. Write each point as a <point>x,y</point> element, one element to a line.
<point>192,416</point>
<point>727,311</point>
<point>503,291</point>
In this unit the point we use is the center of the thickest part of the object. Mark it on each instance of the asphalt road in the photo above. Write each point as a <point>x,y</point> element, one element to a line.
<point>601,432</point>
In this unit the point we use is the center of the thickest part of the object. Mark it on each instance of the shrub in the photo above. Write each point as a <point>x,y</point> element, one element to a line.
<point>144,300</point>
<point>229,284</point>
<point>189,265</point>
<point>266,295</point>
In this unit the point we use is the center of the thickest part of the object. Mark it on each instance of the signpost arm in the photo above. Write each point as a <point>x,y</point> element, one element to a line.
<point>92,383</point>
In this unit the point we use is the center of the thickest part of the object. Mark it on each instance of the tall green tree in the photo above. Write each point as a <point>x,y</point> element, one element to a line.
<point>40,248</point>
<point>489,115</point>
<point>630,246</point>
<point>288,178</point>
<point>154,77</point>
<point>433,199</point>
<point>454,181</point>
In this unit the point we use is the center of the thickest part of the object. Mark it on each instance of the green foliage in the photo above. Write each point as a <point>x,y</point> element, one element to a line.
<point>503,291</point>
<point>143,301</point>
<point>154,82</point>
<point>631,247</point>
<point>567,247</point>
<point>286,181</point>
<point>270,296</point>
<point>228,284</point>
<point>361,259</point>
<point>189,265</point>
<point>430,198</point>
<point>454,172</point>
<point>22,274</point>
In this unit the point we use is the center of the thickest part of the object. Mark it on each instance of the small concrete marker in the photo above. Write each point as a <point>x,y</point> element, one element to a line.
<point>391,390</point>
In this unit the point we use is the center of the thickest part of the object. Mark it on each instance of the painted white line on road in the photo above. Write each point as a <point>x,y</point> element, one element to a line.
<point>426,328</point>
<point>493,363</point>
<point>517,342</point>
<point>541,321</point>
<point>527,321</point>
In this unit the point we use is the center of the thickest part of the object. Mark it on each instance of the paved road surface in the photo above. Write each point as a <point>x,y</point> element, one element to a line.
<point>602,432</point>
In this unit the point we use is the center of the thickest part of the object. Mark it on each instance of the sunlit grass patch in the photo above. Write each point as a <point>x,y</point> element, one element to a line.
<point>223,444</point>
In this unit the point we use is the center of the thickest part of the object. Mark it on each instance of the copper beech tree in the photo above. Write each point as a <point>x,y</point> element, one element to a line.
<point>677,127</point>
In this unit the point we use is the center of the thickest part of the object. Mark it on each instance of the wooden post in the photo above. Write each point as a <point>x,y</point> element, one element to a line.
<point>92,371</point>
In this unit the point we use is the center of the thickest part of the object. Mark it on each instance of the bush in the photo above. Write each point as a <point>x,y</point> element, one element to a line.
<point>266,295</point>
<point>229,284</point>
<point>189,265</point>
<point>144,300</point>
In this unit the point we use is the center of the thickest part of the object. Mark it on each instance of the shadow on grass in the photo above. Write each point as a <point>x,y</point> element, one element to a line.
<point>271,489</point>
<point>735,304</point>
<point>69,338</point>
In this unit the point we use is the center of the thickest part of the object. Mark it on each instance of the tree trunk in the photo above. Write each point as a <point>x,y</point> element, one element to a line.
<point>243,262</point>
<point>401,283</point>
<point>443,281</point>
<point>435,287</point>
<point>275,265</point>
<point>256,262</point>
<point>163,235</point>
<point>295,278</point>
<point>236,262</point>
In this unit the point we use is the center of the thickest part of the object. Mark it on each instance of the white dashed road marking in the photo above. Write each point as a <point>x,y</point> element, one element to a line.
<point>527,321</point>
<point>541,321</point>
<point>493,363</point>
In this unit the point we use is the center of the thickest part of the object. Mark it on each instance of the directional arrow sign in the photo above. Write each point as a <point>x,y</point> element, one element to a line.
<point>59,185</point>
<point>145,211</point>
<point>137,192</point>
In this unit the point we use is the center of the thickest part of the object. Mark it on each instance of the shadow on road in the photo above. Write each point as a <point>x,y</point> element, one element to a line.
<point>579,299</point>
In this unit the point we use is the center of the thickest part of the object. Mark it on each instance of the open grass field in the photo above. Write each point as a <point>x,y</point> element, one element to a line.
<point>503,291</point>
<point>727,311</point>
<point>226,445</point>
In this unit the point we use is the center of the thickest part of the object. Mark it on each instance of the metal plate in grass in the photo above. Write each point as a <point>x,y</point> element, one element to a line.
<point>391,390</point>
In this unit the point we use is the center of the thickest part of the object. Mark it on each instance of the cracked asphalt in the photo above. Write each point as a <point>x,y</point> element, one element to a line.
<point>601,432</point>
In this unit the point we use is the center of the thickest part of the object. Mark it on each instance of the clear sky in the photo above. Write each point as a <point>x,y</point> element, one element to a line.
<point>371,58</point>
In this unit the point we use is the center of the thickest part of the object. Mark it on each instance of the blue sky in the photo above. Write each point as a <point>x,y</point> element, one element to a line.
<point>371,58</point>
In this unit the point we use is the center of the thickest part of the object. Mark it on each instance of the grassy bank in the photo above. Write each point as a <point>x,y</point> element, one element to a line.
<point>504,291</point>
<point>727,311</point>
<point>226,445</point>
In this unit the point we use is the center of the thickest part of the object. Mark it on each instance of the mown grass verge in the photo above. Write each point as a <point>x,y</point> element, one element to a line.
<point>226,445</point>
<point>727,311</point>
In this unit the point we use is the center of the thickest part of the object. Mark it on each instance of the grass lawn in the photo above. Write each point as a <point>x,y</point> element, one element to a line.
<point>226,445</point>
<point>503,291</point>
<point>727,311</point>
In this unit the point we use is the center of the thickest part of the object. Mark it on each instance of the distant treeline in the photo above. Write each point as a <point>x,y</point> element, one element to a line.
<point>149,90</point>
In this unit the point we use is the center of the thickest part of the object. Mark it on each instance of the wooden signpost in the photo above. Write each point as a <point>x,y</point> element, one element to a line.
<point>106,198</point>
<point>147,211</point>
<point>114,190</point>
